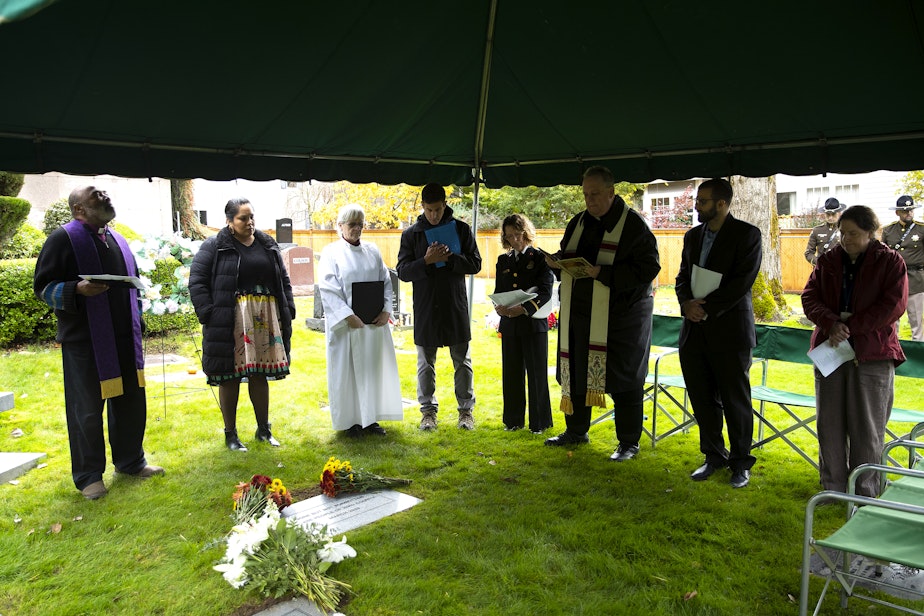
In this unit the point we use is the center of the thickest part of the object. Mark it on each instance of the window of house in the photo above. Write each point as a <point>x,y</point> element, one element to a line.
<point>848,194</point>
<point>785,203</point>
<point>660,202</point>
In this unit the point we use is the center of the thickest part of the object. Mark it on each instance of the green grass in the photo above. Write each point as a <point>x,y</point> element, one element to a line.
<point>506,527</point>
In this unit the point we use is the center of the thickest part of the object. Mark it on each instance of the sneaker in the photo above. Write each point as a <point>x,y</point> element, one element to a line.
<point>95,490</point>
<point>428,421</point>
<point>466,421</point>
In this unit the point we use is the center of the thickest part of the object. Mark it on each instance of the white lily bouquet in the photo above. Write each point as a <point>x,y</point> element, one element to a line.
<point>275,556</point>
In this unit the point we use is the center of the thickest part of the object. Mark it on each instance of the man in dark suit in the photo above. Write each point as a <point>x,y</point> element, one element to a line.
<point>718,334</point>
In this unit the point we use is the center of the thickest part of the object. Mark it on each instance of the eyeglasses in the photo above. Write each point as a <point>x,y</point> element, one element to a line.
<point>354,225</point>
<point>699,201</point>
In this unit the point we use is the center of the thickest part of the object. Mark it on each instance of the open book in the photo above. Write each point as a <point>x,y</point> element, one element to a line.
<point>576,267</point>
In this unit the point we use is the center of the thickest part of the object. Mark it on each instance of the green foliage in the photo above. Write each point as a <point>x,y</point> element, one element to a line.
<point>765,304</point>
<point>912,184</point>
<point>164,275</point>
<point>57,214</point>
<point>11,183</point>
<point>125,231</point>
<point>26,244</point>
<point>13,212</point>
<point>548,207</point>
<point>23,317</point>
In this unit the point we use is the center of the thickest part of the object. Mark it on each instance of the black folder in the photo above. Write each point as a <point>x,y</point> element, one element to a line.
<point>368,300</point>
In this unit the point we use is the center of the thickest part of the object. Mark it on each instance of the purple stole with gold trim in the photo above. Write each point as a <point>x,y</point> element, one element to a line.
<point>99,316</point>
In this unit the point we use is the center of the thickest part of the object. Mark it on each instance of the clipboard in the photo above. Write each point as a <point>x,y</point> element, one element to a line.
<point>368,300</point>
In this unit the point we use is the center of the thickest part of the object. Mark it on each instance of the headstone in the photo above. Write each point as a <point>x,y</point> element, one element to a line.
<point>284,230</point>
<point>299,262</point>
<point>299,606</point>
<point>349,511</point>
<point>12,465</point>
<point>7,401</point>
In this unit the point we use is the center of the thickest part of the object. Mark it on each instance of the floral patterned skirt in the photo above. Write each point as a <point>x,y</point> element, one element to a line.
<point>258,344</point>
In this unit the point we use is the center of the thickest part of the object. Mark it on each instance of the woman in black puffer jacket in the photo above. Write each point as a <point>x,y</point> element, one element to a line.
<point>241,292</point>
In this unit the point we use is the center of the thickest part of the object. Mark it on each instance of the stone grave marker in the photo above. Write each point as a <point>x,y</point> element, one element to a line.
<point>349,511</point>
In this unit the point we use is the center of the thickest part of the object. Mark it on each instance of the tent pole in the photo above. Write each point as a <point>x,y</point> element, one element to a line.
<point>476,172</point>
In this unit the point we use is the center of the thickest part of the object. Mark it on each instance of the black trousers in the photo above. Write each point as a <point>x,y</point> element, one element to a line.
<point>718,383</point>
<point>526,357</point>
<point>126,415</point>
<point>628,407</point>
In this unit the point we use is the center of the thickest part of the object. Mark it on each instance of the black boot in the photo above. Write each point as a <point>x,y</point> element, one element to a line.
<point>234,443</point>
<point>264,434</point>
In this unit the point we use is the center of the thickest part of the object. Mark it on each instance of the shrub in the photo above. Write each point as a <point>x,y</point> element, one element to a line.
<point>163,275</point>
<point>13,212</point>
<point>57,214</point>
<point>23,316</point>
<point>26,244</point>
<point>11,183</point>
<point>125,231</point>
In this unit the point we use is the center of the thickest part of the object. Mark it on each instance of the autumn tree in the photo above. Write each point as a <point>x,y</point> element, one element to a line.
<point>386,207</point>
<point>182,204</point>
<point>676,215</point>
<point>912,184</point>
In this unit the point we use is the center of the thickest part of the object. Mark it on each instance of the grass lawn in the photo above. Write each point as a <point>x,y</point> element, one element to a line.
<point>506,527</point>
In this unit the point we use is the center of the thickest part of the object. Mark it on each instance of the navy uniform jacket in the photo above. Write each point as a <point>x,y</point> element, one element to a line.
<point>530,270</point>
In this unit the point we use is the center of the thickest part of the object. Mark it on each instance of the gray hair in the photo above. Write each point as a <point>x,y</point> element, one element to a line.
<point>352,212</point>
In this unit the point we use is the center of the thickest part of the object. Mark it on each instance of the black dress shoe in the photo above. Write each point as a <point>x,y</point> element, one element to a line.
<point>354,431</point>
<point>567,438</point>
<point>512,428</point>
<point>624,453</point>
<point>374,428</point>
<point>233,442</point>
<point>739,479</point>
<point>704,472</point>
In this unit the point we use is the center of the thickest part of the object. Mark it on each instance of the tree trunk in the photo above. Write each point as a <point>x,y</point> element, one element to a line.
<point>181,206</point>
<point>755,202</point>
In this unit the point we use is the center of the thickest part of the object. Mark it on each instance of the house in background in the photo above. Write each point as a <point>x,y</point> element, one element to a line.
<point>144,205</point>
<point>797,195</point>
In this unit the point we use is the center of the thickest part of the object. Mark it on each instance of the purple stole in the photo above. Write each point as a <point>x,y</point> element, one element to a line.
<point>99,317</point>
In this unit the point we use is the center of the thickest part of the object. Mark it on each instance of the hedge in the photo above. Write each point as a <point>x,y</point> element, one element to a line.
<point>23,316</point>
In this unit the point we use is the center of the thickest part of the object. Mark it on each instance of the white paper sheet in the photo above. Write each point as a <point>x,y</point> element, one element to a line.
<point>549,307</point>
<point>511,298</point>
<point>704,281</point>
<point>827,358</point>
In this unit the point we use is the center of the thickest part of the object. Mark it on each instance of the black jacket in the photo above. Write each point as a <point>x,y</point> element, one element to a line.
<point>440,300</point>
<point>213,288</point>
<point>735,254</point>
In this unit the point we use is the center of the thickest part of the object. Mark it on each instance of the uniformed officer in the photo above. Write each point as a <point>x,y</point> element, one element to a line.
<point>905,236</point>
<point>825,237</point>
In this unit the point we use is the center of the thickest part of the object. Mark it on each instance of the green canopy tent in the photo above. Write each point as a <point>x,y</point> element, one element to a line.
<point>530,92</point>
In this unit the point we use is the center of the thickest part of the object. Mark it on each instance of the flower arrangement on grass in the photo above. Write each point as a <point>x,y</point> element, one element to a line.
<point>167,291</point>
<point>341,478</point>
<point>276,556</point>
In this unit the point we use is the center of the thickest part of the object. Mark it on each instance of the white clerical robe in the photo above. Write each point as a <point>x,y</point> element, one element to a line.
<point>362,372</point>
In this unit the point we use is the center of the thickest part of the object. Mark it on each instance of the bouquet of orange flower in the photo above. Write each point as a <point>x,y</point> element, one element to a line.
<point>250,497</point>
<point>341,478</point>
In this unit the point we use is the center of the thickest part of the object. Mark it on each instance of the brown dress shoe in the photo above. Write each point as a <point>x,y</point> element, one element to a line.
<point>95,490</point>
<point>146,473</point>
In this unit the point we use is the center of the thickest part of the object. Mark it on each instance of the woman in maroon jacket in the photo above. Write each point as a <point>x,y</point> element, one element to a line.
<point>857,292</point>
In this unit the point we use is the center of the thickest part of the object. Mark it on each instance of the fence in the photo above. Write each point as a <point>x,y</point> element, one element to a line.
<point>795,269</point>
